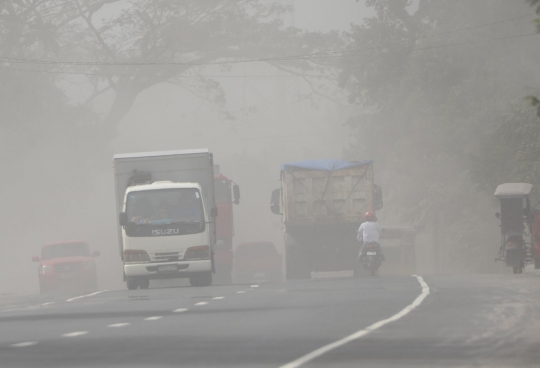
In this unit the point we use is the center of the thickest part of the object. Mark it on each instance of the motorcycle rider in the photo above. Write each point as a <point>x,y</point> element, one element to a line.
<point>369,232</point>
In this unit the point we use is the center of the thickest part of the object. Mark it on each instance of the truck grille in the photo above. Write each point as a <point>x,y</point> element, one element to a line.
<point>166,256</point>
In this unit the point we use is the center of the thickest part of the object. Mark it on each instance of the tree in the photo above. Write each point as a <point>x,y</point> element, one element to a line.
<point>144,43</point>
<point>430,83</point>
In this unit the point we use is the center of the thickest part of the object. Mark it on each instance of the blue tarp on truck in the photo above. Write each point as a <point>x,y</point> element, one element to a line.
<point>325,164</point>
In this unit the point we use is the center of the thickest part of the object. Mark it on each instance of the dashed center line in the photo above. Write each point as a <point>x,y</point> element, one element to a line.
<point>75,334</point>
<point>155,318</point>
<point>254,286</point>
<point>23,344</point>
<point>240,292</point>
<point>201,303</point>
<point>118,325</point>
<point>49,303</point>
<point>218,298</point>
<point>85,296</point>
<point>180,310</point>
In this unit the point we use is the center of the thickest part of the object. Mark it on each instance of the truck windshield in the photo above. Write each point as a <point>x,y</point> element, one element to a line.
<point>179,211</point>
<point>66,250</point>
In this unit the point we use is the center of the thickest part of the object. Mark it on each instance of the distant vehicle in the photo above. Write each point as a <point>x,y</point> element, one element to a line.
<point>257,262</point>
<point>227,194</point>
<point>166,210</point>
<point>398,245</point>
<point>322,204</point>
<point>67,266</point>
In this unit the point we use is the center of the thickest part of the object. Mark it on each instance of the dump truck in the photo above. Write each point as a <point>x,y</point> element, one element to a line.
<point>166,210</point>
<point>322,204</point>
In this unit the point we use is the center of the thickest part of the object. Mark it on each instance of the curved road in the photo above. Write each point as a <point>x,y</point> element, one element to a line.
<point>465,321</point>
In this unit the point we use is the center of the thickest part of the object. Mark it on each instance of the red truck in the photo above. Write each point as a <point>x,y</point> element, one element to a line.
<point>226,193</point>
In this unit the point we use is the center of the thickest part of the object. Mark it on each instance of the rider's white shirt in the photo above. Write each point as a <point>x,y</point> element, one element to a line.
<point>369,232</point>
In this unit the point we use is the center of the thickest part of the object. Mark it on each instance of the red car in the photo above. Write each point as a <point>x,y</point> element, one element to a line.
<point>257,262</point>
<point>67,266</point>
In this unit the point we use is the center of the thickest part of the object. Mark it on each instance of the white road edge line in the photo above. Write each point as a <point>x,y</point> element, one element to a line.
<point>75,334</point>
<point>155,318</point>
<point>240,292</point>
<point>85,296</point>
<point>23,344</point>
<point>180,310</point>
<point>49,303</point>
<point>325,349</point>
<point>201,303</point>
<point>118,325</point>
<point>254,286</point>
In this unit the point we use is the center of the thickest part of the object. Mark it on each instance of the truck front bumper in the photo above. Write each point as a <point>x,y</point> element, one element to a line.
<point>150,270</point>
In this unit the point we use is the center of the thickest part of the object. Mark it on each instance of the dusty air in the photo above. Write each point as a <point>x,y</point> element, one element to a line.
<point>269,183</point>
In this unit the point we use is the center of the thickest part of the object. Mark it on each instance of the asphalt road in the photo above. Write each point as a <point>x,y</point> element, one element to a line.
<point>464,321</point>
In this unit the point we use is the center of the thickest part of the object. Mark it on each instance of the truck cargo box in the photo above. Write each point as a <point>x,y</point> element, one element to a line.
<point>327,192</point>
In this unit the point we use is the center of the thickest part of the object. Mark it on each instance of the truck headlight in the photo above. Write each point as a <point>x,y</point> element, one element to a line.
<point>196,253</point>
<point>136,256</point>
<point>45,270</point>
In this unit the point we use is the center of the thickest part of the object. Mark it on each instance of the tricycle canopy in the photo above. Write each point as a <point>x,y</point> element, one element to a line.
<point>513,190</point>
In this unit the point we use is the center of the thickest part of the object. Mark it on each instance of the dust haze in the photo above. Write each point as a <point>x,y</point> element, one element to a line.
<point>427,104</point>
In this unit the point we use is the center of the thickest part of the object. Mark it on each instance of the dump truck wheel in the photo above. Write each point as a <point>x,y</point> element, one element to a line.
<point>296,265</point>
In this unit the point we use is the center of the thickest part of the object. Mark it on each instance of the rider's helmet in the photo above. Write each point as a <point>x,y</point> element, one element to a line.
<point>370,216</point>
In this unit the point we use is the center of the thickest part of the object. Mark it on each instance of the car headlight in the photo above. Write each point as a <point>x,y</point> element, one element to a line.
<point>136,256</point>
<point>45,270</point>
<point>199,252</point>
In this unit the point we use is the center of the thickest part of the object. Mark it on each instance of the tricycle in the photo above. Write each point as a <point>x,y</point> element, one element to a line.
<point>516,217</point>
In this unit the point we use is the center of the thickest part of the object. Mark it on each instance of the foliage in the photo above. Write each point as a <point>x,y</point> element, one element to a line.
<point>432,83</point>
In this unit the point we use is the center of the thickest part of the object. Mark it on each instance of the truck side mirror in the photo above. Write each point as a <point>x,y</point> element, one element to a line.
<point>377,197</point>
<point>122,218</point>
<point>214,212</point>
<point>274,202</point>
<point>236,193</point>
<point>36,259</point>
<point>498,215</point>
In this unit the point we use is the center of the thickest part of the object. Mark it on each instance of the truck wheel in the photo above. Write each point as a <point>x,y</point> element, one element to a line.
<point>144,283</point>
<point>132,283</point>
<point>537,263</point>
<point>296,266</point>
<point>201,279</point>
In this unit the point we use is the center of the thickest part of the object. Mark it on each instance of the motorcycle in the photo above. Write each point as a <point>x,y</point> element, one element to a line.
<point>372,258</point>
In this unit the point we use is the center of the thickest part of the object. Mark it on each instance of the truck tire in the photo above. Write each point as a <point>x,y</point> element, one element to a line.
<point>132,283</point>
<point>201,279</point>
<point>296,265</point>
<point>537,263</point>
<point>144,283</point>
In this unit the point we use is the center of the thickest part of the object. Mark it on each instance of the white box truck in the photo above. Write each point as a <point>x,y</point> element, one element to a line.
<point>166,210</point>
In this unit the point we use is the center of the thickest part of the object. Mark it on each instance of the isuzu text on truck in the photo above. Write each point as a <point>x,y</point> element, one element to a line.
<point>323,202</point>
<point>166,207</point>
